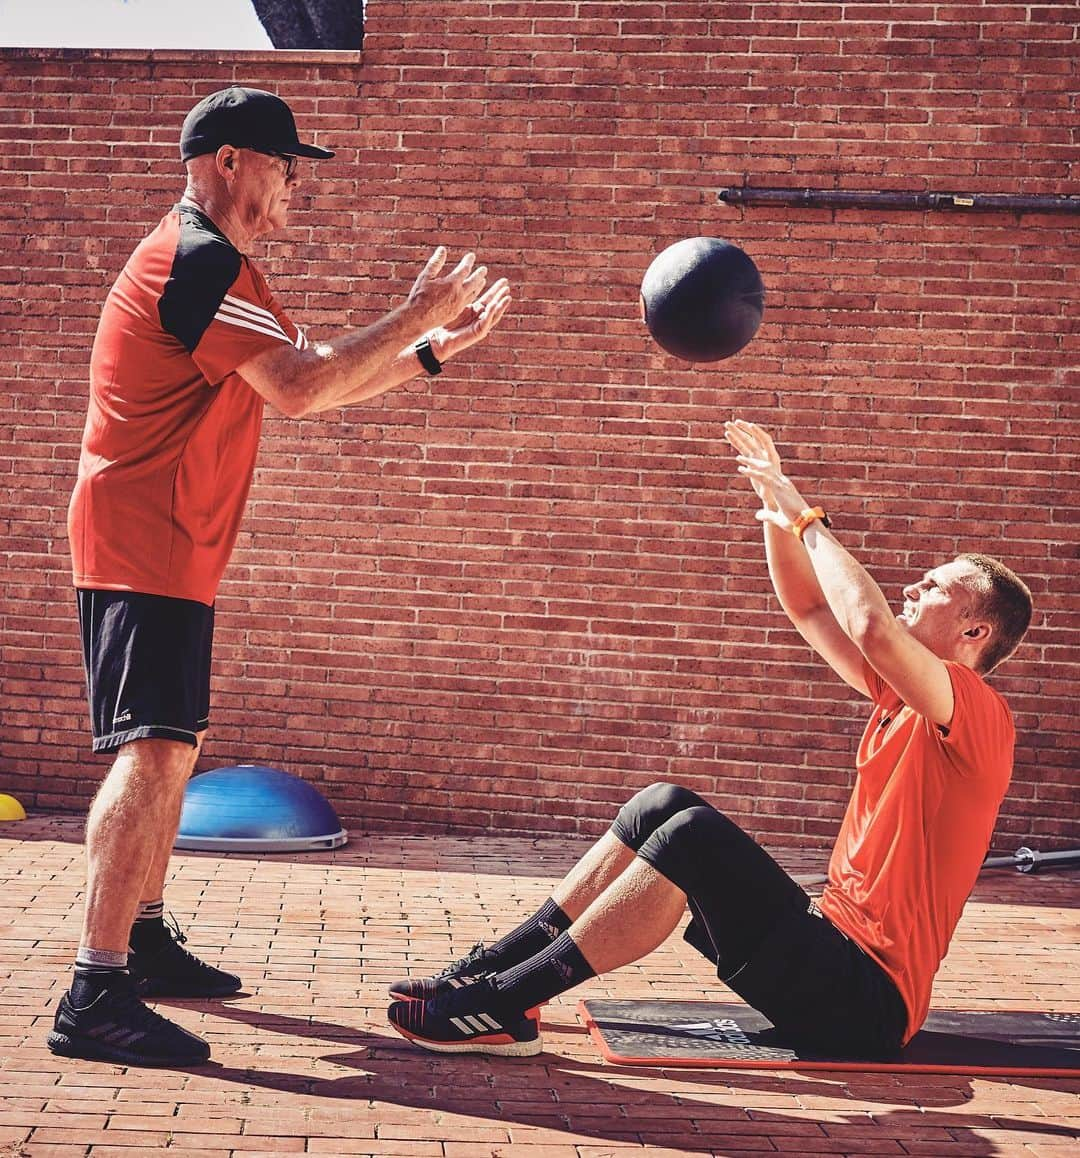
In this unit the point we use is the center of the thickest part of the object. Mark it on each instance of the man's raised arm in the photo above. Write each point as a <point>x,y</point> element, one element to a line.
<point>790,569</point>
<point>856,602</point>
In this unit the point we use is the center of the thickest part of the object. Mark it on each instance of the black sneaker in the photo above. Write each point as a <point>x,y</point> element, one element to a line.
<point>462,972</point>
<point>117,1027</point>
<point>468,1020</point>
<point>169,970</point>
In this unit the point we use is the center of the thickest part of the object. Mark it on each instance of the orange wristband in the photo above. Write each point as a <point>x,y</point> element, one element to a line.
<point>810,515</point>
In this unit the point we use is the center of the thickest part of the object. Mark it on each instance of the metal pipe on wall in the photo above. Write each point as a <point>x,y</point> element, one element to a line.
<point>857,199</point>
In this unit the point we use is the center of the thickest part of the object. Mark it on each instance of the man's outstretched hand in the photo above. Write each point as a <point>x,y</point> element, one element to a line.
<point>473,324</point>
<point>439,295</point>
<point>463,311</point>
<point>759,461</point>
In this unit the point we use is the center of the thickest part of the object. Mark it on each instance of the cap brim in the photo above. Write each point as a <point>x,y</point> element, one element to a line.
<point>312,151</point>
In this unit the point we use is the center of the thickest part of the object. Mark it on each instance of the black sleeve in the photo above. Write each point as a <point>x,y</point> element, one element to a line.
<point>204,268</point>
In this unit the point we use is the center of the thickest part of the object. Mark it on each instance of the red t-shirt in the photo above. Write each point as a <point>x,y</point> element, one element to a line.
<point>172,431</point>
<point>917,828</point>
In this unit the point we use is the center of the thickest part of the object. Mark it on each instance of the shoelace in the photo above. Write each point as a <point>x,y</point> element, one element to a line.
<point>475,954</point>
<point>173,925</point>
<point>450,999</point>
<point>177,940</point>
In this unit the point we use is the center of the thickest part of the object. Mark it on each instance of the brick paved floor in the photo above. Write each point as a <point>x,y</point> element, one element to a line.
<point>305,1064</point>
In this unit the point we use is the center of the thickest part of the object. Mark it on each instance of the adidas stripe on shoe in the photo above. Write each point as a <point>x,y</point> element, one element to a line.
<point>468,1020</point>
<point>117,1027</point>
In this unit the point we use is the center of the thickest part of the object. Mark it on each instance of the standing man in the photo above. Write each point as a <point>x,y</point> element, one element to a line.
<point>190,346</point>
<point>853,975</point>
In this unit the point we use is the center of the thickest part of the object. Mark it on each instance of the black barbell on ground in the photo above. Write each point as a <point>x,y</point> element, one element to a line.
<point>1025,860</point>
<point>1029,860</point>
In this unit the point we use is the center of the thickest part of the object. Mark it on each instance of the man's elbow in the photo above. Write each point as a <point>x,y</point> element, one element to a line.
<point>288,393</point>
<point>294,404</point>
<point>871,629</point>
<point>289,380</point>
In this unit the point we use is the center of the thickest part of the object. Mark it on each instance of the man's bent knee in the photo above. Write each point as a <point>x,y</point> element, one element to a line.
<point>650,808</point>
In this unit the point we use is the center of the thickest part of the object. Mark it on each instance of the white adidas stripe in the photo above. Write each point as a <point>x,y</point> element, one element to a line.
<point>238,312</point>
<point>225,310</point>
<point>262,318</point>
<point>278,332</point>
<point>461,1025</point>
<point>492,1023</point>
<point>478,1025</point>
<point>246,307</point>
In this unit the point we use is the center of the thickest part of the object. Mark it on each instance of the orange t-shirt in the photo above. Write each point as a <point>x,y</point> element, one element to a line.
<point>172,430</point>
<point>917,828</point>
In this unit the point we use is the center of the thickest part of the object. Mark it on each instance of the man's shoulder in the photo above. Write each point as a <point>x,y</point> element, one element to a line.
<point>202,250</point>
<point>205,266</point>
<point>973,682</point>
<point>980,704</point>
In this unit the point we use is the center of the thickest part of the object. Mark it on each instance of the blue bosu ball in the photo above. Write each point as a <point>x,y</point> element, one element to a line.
<point>251,808</point>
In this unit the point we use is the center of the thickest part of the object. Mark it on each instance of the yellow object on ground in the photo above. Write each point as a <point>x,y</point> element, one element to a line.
<point>10,808</point>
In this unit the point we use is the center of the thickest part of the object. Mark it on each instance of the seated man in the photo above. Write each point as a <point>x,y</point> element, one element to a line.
<point>853,975</point>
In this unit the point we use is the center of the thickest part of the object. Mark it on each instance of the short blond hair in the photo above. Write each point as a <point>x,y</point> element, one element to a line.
<point>1004,599</point>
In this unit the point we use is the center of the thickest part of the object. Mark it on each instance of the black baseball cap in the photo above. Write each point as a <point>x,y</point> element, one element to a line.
<point>246,118</point>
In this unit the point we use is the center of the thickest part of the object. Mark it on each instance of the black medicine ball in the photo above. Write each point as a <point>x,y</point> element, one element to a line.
<point>702,299</point>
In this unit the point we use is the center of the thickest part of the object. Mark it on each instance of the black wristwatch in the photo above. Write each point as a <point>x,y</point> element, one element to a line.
<point>427,356</point>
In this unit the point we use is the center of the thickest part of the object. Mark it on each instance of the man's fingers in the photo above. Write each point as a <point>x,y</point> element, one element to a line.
<point>493,313</point>
<point>767,442</point>
<point>436,261</point>
<point>749,438</point>
<point>491,293</point>
<point>473,285</point>
<point>464,265</point>
<point>753,472</point>
<point>737,441</point>
<point>752,431</point>
<point>764,440</point>
<point>489,316</point>
<point>497,296</point>
<point>737,434</point>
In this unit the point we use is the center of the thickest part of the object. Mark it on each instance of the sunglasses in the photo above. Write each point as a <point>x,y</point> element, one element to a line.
<point>290,160</point>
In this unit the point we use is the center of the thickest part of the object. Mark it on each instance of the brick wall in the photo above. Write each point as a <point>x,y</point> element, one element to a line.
<point>509,597</point>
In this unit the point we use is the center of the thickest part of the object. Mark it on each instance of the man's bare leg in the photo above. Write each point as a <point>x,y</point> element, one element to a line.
<point>634,915</point>
<point>600,867</point>
<point>154,887</point>
<point>132,822</point>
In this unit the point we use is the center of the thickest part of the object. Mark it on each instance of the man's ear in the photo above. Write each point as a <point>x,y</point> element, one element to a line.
<point>977,631</point>
<point>226,161</point>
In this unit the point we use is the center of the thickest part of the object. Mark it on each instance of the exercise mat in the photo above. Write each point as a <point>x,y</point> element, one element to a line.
<point>714,1035</point>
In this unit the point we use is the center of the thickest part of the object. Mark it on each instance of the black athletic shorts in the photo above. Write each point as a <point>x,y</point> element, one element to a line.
<point>147,662</point>
<point>768,941</point>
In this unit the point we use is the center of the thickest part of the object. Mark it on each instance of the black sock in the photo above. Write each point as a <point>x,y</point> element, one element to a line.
<point>550,972</point>
<point>149,931</point>
<point>538,932</point>
<point>94,969</point>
